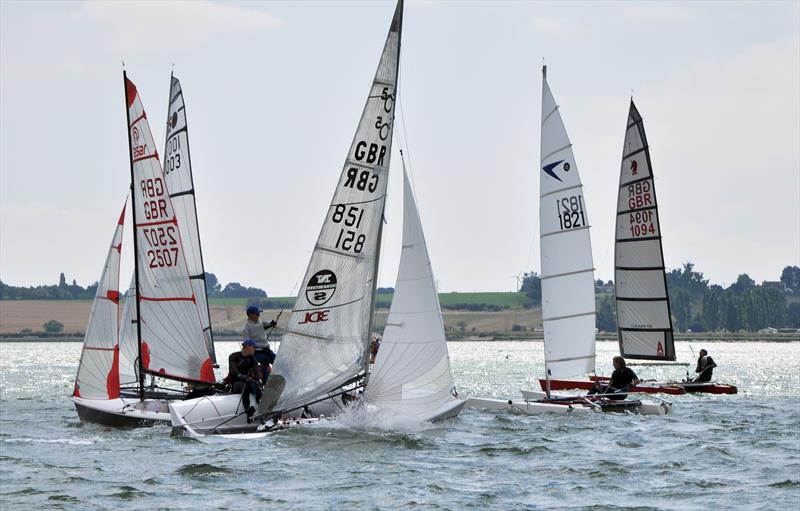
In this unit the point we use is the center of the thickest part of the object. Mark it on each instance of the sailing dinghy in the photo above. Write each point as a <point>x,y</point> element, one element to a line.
<point>568,302</point>
<point>163,333</point>
<point>323,361</point>
<point>642,298</point>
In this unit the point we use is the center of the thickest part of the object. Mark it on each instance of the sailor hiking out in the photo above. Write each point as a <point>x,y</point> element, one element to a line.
<point>622,379</point>
<point>243,374</point>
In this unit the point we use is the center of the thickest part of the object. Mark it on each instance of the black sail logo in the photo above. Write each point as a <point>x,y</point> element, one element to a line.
<point>320,287</point>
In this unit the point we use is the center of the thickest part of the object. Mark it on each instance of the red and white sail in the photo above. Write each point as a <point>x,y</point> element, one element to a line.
<point>178,174</point>
<point>98,371</point>
<point>170,326</point>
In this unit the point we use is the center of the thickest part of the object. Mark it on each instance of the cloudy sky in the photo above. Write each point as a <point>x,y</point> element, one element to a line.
<point>274,91</point>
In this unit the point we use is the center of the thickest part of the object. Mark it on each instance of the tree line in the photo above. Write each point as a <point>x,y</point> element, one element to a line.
<point>699,306</point>
<point>64,291</point>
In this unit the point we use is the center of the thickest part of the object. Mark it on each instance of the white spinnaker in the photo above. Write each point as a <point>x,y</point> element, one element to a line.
<point>643,312</point>
<point>172,341</point>
<point>411,375</point>
<point>178,174</point>
<point>568,305</point>
<point>328,333</point>
<point>128,343</point>
<point>98,370</point>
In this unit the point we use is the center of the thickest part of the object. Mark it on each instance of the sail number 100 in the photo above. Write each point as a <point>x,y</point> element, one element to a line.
<point>570,212</point>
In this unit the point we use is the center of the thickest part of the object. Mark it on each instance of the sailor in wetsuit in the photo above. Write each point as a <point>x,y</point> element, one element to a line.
<point>243,375</point>
<point>705,367</point>
<point>622,379</point>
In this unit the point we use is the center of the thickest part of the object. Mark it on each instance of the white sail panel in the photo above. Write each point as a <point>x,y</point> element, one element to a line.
<point>171,336</point>
<point>643,314</point>
<point>180,183</point>
<point>411,375</point>
<point>128,342</point>
<point>568,305</point>
<point>98,370</point>
<point>328,333</point>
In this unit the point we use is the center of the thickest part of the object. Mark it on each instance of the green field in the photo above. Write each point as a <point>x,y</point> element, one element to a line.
<point>510,300</point>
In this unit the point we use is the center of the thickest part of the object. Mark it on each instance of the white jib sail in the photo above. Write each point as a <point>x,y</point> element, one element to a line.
<point>411,375</point>
<point>178,174</point>
<point>568,306</point>
<point>328,333</point>
<point>98,370</point>
<point>643,312</point>
<point>171,334</point>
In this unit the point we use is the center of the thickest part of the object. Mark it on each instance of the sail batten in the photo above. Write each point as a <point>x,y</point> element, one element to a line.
<point>642,298</point>
<point>329,330</point>
<point>567,268</point>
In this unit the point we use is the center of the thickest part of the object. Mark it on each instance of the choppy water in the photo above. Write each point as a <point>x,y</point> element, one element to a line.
<point>718,452</point>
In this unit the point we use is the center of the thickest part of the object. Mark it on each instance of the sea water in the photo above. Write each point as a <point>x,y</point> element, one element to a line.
<point>714,451</point>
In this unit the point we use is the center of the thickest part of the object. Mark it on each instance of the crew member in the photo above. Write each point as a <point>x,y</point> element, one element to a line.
<point>622,379</point>
<point>705,367</point>
<point>243,374</point>
<point>257,331</point>
<point>376,344</point>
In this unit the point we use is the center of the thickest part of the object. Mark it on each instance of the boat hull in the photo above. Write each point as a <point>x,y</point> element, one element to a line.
<point>123,412</point>
<point>650,387</point>
<point>535,403</point>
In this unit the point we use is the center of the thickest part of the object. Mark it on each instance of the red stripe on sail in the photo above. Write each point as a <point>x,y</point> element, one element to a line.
<point>113,296</point>
<point>207,371</point>
<point>145,356</point>
<point>154,155</point>
<point>168,299</point>
<point>119,248</point>
<point>142,116</point>
<point>112,380</point>
<point>173,220</point>
<point>122,215</point>
<point>130,92</point>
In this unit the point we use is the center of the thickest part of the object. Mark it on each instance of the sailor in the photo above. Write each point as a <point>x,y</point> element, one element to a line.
<point>622,379</point>
<point>705,367</point>
<point>243,375</point>
<point>376,344</point>
<point>257,331</point>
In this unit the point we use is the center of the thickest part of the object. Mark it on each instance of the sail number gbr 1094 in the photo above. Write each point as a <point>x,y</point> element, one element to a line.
<point>570,212</point>
<point>349,216</point>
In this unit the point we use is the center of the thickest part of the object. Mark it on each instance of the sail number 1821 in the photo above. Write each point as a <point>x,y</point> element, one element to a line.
<point>570,212</point>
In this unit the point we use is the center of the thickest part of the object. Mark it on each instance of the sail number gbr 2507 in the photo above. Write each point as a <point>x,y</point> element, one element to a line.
<point>570,212</point>
<point>162,239</point>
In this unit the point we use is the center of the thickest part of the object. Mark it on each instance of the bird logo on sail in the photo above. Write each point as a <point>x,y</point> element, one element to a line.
<point>549,169</point>
<point>320,287</point>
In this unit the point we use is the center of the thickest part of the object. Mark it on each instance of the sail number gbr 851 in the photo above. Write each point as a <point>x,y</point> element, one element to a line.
<point>162,239</point>
<point>362,179</point>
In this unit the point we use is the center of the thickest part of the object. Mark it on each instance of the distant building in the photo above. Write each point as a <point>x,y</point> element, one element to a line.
<point>768,330</point>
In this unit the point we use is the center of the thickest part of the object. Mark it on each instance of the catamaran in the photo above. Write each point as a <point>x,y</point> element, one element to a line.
<point>173,340</point>
<point>323,361</point>
<point>568,301</point>
<point>642,298</point>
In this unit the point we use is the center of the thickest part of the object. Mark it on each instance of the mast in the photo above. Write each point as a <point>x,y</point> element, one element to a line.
<point>371,317</point>
<point>139,363</point>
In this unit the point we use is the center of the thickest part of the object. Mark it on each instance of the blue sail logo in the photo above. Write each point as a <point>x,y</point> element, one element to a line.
<point>550,166</point>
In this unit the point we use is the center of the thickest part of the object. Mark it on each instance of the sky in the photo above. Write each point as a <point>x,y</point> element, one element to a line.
<point>274,91</point>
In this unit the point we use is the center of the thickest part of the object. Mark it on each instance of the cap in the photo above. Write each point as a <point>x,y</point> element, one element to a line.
<point>253,310</point>
<point>248,342</point>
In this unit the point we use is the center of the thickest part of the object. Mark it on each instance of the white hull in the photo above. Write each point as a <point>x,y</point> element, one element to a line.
<point>123,412</point>
<point>532,404</point>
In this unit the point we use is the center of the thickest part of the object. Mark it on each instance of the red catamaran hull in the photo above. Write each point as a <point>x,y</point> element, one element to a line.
<point>674,388</point>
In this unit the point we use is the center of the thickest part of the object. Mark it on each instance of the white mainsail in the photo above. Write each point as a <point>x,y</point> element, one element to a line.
<point>568,304</point>
<point>170,334</point>
<point>411,375</point>
<point>178,174</point>
<point>98,370</point>
<point>643,312</point>
<point>329,331</point>
<point>128,342</point>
